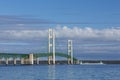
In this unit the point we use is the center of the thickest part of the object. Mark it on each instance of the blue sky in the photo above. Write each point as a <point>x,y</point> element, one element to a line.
<point>95,13</point>
<point>93,25</point>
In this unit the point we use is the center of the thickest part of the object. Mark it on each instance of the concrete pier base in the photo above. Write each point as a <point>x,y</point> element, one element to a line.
<point>37,60</point>
<point>68,61</point>
<point>78,62</point>
<point>22,60</point>
<point>7,61</point>
<point>31,61</point>
<point>14,61</point>
<point>49,60</point>
<point>0,61</point>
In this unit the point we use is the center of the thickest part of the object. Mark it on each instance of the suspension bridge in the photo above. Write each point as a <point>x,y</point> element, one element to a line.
<point>33,58</point>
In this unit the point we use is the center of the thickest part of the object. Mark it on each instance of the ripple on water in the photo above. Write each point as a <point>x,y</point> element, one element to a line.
<point>60,72</point>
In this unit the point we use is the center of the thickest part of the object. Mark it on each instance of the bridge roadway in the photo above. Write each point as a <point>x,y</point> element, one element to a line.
<point>6,58</point>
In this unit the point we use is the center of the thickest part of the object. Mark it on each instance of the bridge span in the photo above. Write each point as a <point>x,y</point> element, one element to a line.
<point>34,58</point>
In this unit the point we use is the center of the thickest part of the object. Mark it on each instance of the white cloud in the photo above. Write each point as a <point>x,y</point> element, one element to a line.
<point>63,32</point>
<point>77,32</point>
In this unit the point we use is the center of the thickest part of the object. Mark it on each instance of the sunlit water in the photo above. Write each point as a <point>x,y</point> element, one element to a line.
<point>60,72</point>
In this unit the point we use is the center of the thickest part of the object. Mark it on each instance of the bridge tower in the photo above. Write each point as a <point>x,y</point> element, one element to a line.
<point>70,52</point>
<point>51,45</point>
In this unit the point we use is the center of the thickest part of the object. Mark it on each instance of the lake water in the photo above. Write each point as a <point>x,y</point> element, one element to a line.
<point>60,72</point>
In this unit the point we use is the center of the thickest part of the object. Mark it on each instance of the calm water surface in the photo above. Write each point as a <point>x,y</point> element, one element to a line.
<point>60,72</point>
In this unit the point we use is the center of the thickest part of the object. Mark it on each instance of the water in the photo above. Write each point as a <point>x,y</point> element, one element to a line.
<point>60,72</point>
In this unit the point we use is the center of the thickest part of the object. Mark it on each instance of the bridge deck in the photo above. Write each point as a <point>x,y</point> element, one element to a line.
<point>36,55</point>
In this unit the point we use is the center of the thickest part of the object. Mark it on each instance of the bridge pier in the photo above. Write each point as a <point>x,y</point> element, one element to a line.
<point>68,61</point>
<point>37,60</point>
<point>0,61</point>
<point>6,61</point>
<point>15,61</point>
<point>22,60</point>
<point>31,61</point>
<point>77,62</point>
